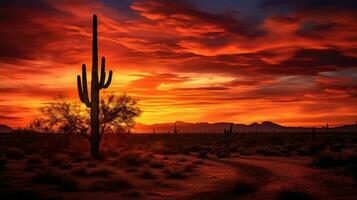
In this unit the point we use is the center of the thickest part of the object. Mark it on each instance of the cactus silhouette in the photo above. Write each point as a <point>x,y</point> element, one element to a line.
<point>228,133</point>
<point>175,129</point>
<point>96,85</point>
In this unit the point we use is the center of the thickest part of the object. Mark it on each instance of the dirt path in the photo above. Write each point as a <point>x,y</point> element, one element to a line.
<point>272,174</point>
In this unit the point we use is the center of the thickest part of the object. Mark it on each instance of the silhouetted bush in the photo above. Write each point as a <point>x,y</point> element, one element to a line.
<point>242,187</point>
<point>203,154</point>
<point>156,164</point>
<point>147,174</point>
<point>3,162</point>
<point>101,172</point>
<point>111,184</point>
<point>80,172</point>
<point>34,160</point>
<point>56,178</point>
<point>133,158</point>
<point>15,153</point>
<point>174,173</point>
<point>295,194</point>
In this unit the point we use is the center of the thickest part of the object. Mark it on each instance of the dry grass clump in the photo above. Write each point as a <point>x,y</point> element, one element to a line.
<point>3,162</point>
<point>243,187</point>
<point>15,153</point>
<point>294,194</point>
<point>59,179</point>
<point>147,174</point>
<point>134,158</point>
<point>111,184</point>
<point>101,172</point>
<point>80,172</point>
<point>174,173</point>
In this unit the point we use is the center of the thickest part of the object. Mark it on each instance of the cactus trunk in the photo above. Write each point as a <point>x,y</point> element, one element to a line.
<point>96,86</point>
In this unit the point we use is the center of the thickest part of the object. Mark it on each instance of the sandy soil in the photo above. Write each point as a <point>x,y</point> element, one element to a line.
<point>210,180</point>
<point>271,174</point>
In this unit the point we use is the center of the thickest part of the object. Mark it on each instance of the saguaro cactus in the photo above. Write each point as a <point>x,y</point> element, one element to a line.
<point>96,85</point>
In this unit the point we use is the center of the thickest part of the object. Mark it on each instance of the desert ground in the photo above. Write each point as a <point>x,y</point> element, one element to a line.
<point>185,166</point>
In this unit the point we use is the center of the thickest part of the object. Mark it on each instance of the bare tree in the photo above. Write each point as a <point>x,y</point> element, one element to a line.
<point>117,114</point>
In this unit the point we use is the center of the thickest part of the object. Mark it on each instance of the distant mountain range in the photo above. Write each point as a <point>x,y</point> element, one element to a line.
<point>204,127</point>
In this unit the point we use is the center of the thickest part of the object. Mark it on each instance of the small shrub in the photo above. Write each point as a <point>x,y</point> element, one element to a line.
<point>147,174</point>
<point>132,194</point>
<point>80,172</point>
<point>55,178</point>
<point>133,158</point>
<point>57,161</point>
<point>198,162</point>
<point>294,194</point>
<point>34,160</point>
<point>173,173</point>
<point>243,187</point>
<point>32,167</point>
<point>189,168</point>
<point>222,154</point>
<point>326,160</point>
<point>203,154</point>
<point>337,147</point>
<point>15,153</point>
<point>92,164</point>
<point>23,194</point>
<point>66,166</point>
<point>102,172</point>
<point>3,162</point>
<point>112,184</point>
<point>156,164</point>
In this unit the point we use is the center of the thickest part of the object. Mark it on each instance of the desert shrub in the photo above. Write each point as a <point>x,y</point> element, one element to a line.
<point>56,178</point>
<point>156,164</point>
<point>302,151</point>
<point>101,172</point>
<point>32,167</point>
<point>337,147</point>
<point>111,184</point>
<point>295,194</point>
<point>203,154</point>
<point>326,160</point>
<point>189,168</point>
<point>242,187</point>
<point>134,194</point>
<point>174,173</point>
<point>34,160</point>
<point>24,194</point>
<point>147,174</point>
<point>58,161</point>
<point>15,153</point>
<point>198,162</point>
<point>3,162</point>
<point>315,148</point>
<point>91,163</point>
<point>133,158</point>
<point>78,157</point>
<point>111,153</point>
<point>223,154</point>
<point>80,172</point>
<point>182,160</point>
<point>268,151</point>
<point>66,166</point>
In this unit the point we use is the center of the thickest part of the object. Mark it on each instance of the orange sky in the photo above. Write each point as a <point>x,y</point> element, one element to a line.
<point>290,62</point>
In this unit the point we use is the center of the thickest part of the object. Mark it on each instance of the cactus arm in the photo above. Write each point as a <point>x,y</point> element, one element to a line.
<point>79,87</point>
<point>82,88</point>
<point>102,74</point>
<point>106,85</point>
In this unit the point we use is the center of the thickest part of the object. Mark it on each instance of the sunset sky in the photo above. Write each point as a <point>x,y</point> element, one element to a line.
<point>293,62</point>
